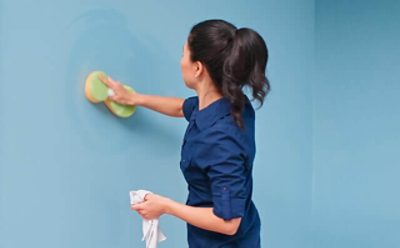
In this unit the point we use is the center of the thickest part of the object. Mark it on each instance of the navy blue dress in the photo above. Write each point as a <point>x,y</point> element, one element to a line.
<point>216,161</point>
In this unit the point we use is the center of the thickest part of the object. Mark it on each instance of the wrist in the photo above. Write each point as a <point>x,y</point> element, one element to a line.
<point>136,99</point>
<point>168,206</point>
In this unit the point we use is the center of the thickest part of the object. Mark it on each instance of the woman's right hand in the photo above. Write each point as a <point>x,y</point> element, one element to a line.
<point>171,106</point>
<point>121,94</point>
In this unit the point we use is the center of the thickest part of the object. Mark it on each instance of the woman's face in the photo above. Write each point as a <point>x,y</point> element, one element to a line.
<point>188,68</point>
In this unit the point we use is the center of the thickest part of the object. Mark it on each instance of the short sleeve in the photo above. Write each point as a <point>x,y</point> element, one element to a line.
<point>228,176</point>
<point>188,106</point>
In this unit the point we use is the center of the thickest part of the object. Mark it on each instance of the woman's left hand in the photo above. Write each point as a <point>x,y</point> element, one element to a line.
<point>152,207</point>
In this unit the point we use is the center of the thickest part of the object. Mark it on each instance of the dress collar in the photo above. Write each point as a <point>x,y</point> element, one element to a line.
<point>209,115</point>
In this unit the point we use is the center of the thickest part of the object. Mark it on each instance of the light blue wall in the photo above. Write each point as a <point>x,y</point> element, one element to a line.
<point>66,165</point>
<point>326,169</point>
<point>356,125</point>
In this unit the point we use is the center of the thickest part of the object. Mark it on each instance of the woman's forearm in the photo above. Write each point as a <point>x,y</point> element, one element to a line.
<point>171,106</point>
<point>203,217</point>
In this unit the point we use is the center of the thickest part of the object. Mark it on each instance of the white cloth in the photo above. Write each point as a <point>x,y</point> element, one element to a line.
<point>110,92</point>
<point>151,230</point>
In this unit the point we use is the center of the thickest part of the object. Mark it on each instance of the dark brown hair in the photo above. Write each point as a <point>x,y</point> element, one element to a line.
<point>234,58</point>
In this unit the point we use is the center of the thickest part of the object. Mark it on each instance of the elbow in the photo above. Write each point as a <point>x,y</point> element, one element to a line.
<point>231,231</point>
<point>232,227</point>
<point>180,113</point>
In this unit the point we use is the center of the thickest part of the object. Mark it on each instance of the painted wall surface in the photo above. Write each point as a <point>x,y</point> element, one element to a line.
<point>66,165</point>
<point>356,120</point>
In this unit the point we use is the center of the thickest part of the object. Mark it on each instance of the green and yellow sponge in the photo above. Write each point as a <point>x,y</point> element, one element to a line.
<point>96,91</point>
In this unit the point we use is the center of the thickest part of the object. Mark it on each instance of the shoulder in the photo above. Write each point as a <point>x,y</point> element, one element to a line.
<point>220,143</point>
<point>226,126</point>
<point>227,133</point>
<point>189,105</point>
<point>225,140</point>
<point>222,138</point>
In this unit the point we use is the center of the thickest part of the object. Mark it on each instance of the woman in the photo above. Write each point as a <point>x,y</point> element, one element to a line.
<point>218,149</point>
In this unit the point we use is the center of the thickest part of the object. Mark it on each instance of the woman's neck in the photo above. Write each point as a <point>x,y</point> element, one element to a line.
<point>207,94</point>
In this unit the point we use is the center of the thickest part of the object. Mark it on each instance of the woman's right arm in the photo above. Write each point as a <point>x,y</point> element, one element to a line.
<point>171,106</point>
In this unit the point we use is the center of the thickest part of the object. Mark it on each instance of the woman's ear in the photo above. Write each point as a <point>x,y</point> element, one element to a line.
<point>199,68</point>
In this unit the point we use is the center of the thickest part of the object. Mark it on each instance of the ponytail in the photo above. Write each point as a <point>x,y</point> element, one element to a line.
<point>235,59</point>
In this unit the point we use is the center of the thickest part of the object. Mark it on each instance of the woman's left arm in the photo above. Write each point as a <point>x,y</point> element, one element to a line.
<point>202,217</point>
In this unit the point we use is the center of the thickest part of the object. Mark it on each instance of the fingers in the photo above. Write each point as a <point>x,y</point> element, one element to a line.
<point>111,83</point>
<point>144,214</point>
<point>147,196</point>
<point>120,94</point>
<point>137,207</point>
<point>113,97</point>
<point>104,80</point>
<point>140,209</point>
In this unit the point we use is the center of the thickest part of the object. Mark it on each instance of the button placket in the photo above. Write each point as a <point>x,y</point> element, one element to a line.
<point>189,128</point>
